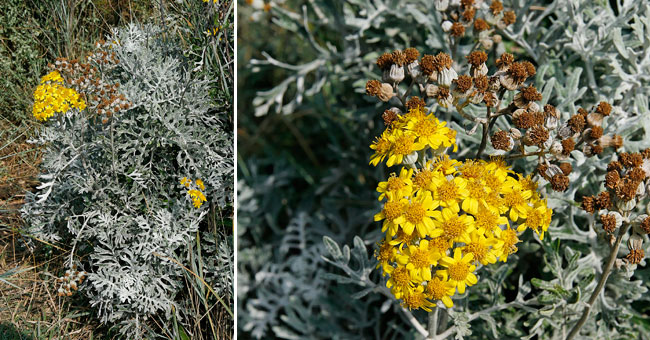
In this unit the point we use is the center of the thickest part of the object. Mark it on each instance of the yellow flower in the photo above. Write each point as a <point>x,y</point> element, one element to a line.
<point>455,228</point>
<point>399,281</point>
<point>417,215</point>
<point>401,239</point>
<point>423,178</point>
<point>418,260</point>
<point>400,186</point>
<point>481,248</point>
<point>402,145</point>
<point>438,289</point>
<point>538,219</point>
<point>382,146</point>
<point>476,196</point>
<point>488,220</point>
<point>516,198</point>
<point>200,184</point>
<point>459,270</point>
<point>449,193</point>
<point>430,131</point>
<point>52,97</point>
<point>185,182</point>
<point>416,298</point>
<point>508,243</point>
<point>392,214</point>
<point>385,255</point>
<point>446,165</point>
<point>197,197</point>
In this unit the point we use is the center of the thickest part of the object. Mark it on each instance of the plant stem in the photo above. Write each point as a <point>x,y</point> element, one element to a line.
<point>486,132</point>
<point>433,324</point>
<point>601,283</point>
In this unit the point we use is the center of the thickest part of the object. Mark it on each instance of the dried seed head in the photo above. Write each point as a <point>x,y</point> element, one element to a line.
<point>596,149</point>
<point>489,99</point>
<point>373,87</point>
<point>501,140</point>
<point>477,58</point>
<point>386,92</point>
<point>399,58</point>
<point>530,94</point>
<point>496,7</point>
<point>457,30</point>
<point>614,165</point>
<point>481,83</point>
<point>509,17</point>
<point>414,103</point>
<point>609,222</point>
<point>468,14</point>
<point>577,123</point>
<point>463,83</point>
<point>428,64</point>
<point>626,190</point>
<point>517,72</point>
<point>385,61</point>
<point>636,174</point>
<point>560,182</point>
<point>635,256</point>
<point>536,135</point>
<point>411,55</point>
<point>604,200</point>
<point>588,204</point>
<point>612,178</point>
<point>481,25</point>
<point>530,68</point>
<point>645,225</point>
<point>466,3</point>
<point>505,60</point>
<point>389,117</point>
<point>567,146</point>
<point>596,132</point>
<point>566,168</point>
<point>604,108</point>
<point>630,160</point>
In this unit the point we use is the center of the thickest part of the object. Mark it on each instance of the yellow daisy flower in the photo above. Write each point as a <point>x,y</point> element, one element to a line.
<point>455,228</point>
<point>417,215</point>
<point>459,270</point>
<point>438,289</point>
<point>449,193</point>
<point>400,186</point>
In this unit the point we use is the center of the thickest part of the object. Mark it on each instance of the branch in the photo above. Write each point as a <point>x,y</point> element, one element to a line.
<point>601,283</point>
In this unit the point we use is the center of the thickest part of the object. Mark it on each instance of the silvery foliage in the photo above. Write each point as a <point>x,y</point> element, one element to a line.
<point>112,190</point>
<point>586,51</point>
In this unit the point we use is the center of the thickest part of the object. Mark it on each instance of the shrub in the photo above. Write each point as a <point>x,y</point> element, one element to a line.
<point>123,180</point>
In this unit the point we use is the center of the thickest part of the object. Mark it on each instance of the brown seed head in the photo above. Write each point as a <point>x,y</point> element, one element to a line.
<point>428,64</point>
<point>530,94</point>
<point>609,222</point>
<point>501,140</point>
<point>550,111</point>
<point>489,99</point>
<point>466,3</point>
<point>604,108</point>
<point>411,54</point>
<point>636,174</point>
<point>468,14</point>
<point>443,93</point>
<point>577,123</point>
<point>385,61</point>
<point>496,7</point>
<point>583,112</point>
<point>463,83</point>
<point>566,168</point>
<point>588,204</point>
<point>480,25</point>
<point>596,149</point>
<point>614,165</point>
<point>444,61</point>
<point>612,178</point>
<point>538,135</point>
<point>509,17</point>
<point>604,200</point>
<point>596,132</point>
<point>481,83</point>
<point>646,153</point>
<point>530,68</point>
<point>626,189</point>
<point>389,117</point>
<point>399,58</point>
<point>506,59</point>
<point>645,225</point>
<point>567,146</point>
<point>414,103</point>
<point>630,160</point>
<point>635,256</point>
<point>518,72</point>
<point>372,87</point>
<point>457,30</point>
<point>560,182</point>
<point>477,58</point>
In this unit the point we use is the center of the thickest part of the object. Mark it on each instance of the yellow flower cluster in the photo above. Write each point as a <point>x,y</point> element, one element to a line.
<point>409,133</point>
<point>51,97</point>
<point>444,220</point>
<point>195,192</point>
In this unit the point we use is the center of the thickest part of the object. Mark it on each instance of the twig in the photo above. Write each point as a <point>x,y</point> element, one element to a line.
<point>601,283</point>
<point>486,132</point>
